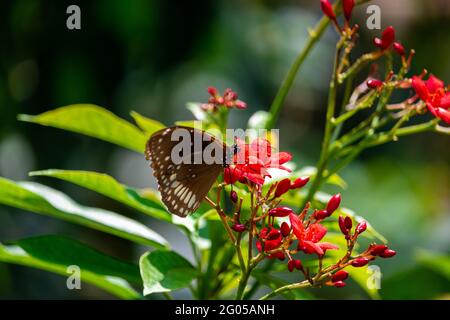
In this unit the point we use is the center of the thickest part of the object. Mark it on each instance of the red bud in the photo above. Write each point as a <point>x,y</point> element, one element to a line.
<point>327,9</point>
<point>282,187</point>
<point>238,227</point>
<point>339,284</point>
<point>240,104</point>
<point>341,275</point>
<point>213,91</point>
<point>285,229</point>
<point>387,37</point>
<point>360,262</point>
<point>234,196</point>
<point>348,223</point>
<point>321,214</point>
<point>333,203</point>
<point>378,42</point>
<point>291,265</point>
<point>277,255</point>
<point>388,253</point>
<point>299,182</point>
<point>361,227</point>
<point>272,244</point>
<point>298,264</point>
<point>273,234</point>
<point>348,8</point>
<point>374,83</point>
<point>377,249</point>
<point>399,48</point>
<point>341,222</point>
<point>280,212</point>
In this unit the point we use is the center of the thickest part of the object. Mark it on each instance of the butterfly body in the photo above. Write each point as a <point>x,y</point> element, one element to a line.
<point>184,176</point>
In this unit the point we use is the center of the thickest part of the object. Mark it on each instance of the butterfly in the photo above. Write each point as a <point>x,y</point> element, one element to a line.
<point>185,175</point>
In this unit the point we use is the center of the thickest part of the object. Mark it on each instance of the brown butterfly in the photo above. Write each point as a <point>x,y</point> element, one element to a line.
<point>185,175</point>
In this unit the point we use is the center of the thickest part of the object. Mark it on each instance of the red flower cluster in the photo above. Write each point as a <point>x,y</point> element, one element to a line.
<point>435,95</point>
<point>387,40</point>
<point>229,99</point>
<point>252,161</point>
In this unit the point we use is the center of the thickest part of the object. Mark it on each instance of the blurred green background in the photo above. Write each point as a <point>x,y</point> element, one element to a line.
<point>153,57</point>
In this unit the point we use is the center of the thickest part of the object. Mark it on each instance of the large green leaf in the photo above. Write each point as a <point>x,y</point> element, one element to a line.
<point>148,125</point>
<point>164,271</point>
<point>56,254</point>
<point>93,121</point>
<point>106,185</point>
<point>44,200</point>
<point>438,262</point>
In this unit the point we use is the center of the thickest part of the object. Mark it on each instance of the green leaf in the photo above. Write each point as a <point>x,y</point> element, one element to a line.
<point>146,202</point>
<point>93,121</point>
<point>164,271</point>
<point>55,254</point>
<point>197,111</point>
<point>438,262</point>
<point>44,200</point>
<point>148,125</point>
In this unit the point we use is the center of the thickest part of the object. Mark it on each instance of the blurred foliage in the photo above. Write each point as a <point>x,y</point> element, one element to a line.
<point>152,57</point>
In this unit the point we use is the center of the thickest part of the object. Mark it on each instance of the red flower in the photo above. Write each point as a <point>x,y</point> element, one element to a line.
<point>308,239</point>
<point>387,38</point>
<point>229,100</point>
<point>435,95</point>
<point>253,160</point>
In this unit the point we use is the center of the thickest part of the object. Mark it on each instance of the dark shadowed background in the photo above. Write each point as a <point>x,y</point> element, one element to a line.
<point>153,57</point>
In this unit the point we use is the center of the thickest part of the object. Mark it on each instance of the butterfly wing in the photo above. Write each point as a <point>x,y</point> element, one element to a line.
<point>182,186</point>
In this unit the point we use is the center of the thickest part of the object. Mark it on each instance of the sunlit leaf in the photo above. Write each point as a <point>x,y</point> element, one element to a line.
<point>438,262</point>
<point>148,125</point>
<point>93,121</point>
<point>164,271</point>
<point>55,254</point>
<point>44,200</point>
<point>106,185</point>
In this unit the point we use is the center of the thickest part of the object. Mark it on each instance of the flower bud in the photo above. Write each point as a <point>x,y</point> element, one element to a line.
<point>360,262</point>
<point>333,203</point>
<point>377,249</point>
<point>238,227</point>
<point>272,244</point>
<point>388,253</point>
<point>327,9</point>
<point>277,255</point>
<point>339,284</point>
<point>348,223</point>
<point>399,48</point>
<point>341,275</point>
<point>387,37</point>
<point>299,182</point>
<point>282,187</point>
<point>361,227</point>
<point>258,246</point>
<point>298,264</point>
<point>213,91</point>
<point>348,8</point>
<point>280,212</point>
<point>378,42</point>
<point>285,229</point>
<point>240,104</point>
<point>374,83</point>
<point>341,222</point>
<point>273,234</point>
<point>291,265</point>
<point>234,196</point>
<point>321,214</point>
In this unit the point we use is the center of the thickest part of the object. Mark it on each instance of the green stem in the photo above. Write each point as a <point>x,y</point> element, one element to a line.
<point>300,285</point>
<point>314,35</point>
